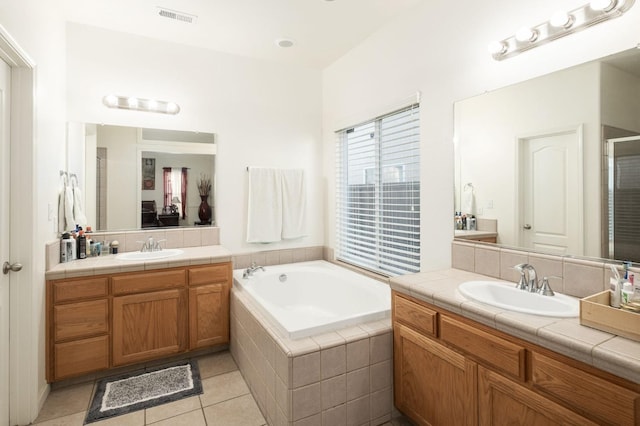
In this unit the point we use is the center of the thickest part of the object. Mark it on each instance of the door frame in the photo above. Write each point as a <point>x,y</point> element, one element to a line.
<point>24,334</point>
<point>519,191</point>
<point>607,196</point>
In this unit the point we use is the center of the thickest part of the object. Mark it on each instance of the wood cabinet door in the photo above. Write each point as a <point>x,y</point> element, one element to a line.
<point>208,315</point>
<point>433,385</point>
<point>149,325</point>
<point>504,402</point>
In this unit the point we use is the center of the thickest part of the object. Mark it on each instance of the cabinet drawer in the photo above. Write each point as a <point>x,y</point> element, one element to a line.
<point>81,357</point>
<point>148,281</point>
<point>414,315</point>
<point>499,353</point>
<point>599,398</point>
<point>80,319</point>
<point>210,274</point>
<point>65,291</point>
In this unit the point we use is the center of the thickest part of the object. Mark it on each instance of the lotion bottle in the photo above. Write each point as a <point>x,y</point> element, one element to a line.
<point>615,288</point>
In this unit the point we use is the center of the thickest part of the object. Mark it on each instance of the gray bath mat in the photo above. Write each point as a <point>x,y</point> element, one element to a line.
<point>143,389</point>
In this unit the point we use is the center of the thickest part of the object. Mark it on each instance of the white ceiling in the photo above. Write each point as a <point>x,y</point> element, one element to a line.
<point>322,30</point>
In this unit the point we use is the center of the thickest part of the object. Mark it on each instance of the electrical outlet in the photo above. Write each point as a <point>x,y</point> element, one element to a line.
<point>489,204</point>
<point>50,211</point>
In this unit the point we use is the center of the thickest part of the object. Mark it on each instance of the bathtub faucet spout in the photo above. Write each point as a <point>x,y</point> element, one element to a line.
<point>250,270</point>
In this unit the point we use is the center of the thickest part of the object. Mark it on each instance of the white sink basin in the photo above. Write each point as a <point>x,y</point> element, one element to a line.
<point>505,295</point>
<point>149,255</point>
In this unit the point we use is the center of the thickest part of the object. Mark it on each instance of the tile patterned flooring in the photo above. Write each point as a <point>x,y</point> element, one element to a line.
<point>225,401</point>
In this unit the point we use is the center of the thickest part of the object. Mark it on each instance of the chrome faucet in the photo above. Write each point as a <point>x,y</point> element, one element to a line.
<point>528,277</point>
<point>250,270</point>
<point>528,280</point>
<point>151,245</point>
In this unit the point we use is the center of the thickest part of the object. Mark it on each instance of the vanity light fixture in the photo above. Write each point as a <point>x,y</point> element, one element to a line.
<point>526,34</point>
<point>561,19</point>
<point>139,104</point>
<point>562,23</point>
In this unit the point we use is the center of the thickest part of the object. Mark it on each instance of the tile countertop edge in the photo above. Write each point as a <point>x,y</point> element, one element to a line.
<point>192,256</point>
<point>563,335</point>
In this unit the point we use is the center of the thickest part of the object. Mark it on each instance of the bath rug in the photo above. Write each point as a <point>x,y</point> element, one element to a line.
<point>144,389</point>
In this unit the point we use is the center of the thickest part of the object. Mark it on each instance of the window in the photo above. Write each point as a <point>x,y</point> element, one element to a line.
<point>378,193</point>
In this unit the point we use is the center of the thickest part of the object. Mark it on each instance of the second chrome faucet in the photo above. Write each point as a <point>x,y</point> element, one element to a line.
<point>528,280</point>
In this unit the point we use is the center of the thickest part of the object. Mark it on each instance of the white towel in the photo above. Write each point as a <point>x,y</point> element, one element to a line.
<point>468,202</point>
<point>78,210</point>
<point>294,200</point>
<point>62,223</point>
<point>70,221</point>
<point>264,216</point>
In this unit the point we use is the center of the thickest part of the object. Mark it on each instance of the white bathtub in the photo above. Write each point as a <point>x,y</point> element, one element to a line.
<point>308,298</point>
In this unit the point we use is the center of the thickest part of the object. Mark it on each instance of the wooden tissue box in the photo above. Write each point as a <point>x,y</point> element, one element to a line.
<point>595,312</point>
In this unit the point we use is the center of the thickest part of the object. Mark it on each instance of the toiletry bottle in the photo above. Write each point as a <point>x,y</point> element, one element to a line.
<point>82,245</point>
<point>626,294</point>
<point>114,247</point>
<point>614,298</point>
<point>614,288</point>
<point>65,242</point>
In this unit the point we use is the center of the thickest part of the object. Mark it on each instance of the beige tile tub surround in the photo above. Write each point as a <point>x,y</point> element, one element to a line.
<point>335,379</point>
<point>567,336</point>
<point>568,275</point>
<point>279,257</point>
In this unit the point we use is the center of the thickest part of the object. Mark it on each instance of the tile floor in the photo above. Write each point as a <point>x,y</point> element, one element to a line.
<point>225,401</point>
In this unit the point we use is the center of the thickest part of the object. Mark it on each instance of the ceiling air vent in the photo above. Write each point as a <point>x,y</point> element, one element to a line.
<point>178,16</point>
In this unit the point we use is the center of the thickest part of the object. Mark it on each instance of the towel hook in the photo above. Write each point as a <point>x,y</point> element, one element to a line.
<point>468,185</point>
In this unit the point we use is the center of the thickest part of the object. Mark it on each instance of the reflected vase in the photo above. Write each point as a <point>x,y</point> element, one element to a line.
<point>204,211</point>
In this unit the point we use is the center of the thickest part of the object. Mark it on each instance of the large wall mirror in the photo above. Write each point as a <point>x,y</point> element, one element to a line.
<point>556,160</point>
<point>135,178</point>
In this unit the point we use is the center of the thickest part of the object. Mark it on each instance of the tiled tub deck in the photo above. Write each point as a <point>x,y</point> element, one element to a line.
<point>341,378</point>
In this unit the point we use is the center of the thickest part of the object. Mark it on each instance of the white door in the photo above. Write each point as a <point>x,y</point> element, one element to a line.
<point>5,84</point>
<point>551,215</point>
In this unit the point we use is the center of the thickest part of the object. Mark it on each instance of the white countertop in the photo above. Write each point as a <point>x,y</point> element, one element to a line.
<point>608,352</point>
<point>110,264</point>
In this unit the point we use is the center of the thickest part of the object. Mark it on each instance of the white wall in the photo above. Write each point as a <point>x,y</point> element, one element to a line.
<point>439,48</point>
<point>121,144</point>
<point>263,113</point>
<point>487,128</point>
<point>620,99</point>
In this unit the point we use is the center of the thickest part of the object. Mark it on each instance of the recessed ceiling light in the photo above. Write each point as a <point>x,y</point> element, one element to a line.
<point>284,42</point>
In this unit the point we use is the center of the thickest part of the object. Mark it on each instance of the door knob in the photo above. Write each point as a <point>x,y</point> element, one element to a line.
<point>527,226</point>
<point>15,267</point>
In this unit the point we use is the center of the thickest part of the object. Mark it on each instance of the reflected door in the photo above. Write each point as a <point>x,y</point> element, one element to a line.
<point>623,169</point>
<point>550,192</point>
<point>5,80</point>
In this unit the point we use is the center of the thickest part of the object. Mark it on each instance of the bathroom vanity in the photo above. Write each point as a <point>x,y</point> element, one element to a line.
<point>104,312</point>
<point>459,362</point>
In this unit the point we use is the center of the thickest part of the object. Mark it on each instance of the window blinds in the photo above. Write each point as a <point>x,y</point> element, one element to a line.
<point>378,193</point>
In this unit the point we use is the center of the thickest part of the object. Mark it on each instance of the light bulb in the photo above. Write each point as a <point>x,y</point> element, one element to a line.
<point>110,100</point>
<point>132,102</point>
<point>526,34</point>
<point>152,104</point>
<point>497,48</point>
<point>172,107</point>
<point>603,5</point>
<point>561,19</point>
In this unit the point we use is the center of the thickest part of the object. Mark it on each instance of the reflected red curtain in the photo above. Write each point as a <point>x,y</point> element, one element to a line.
<point>183,194</point>
<point>166,180</point>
